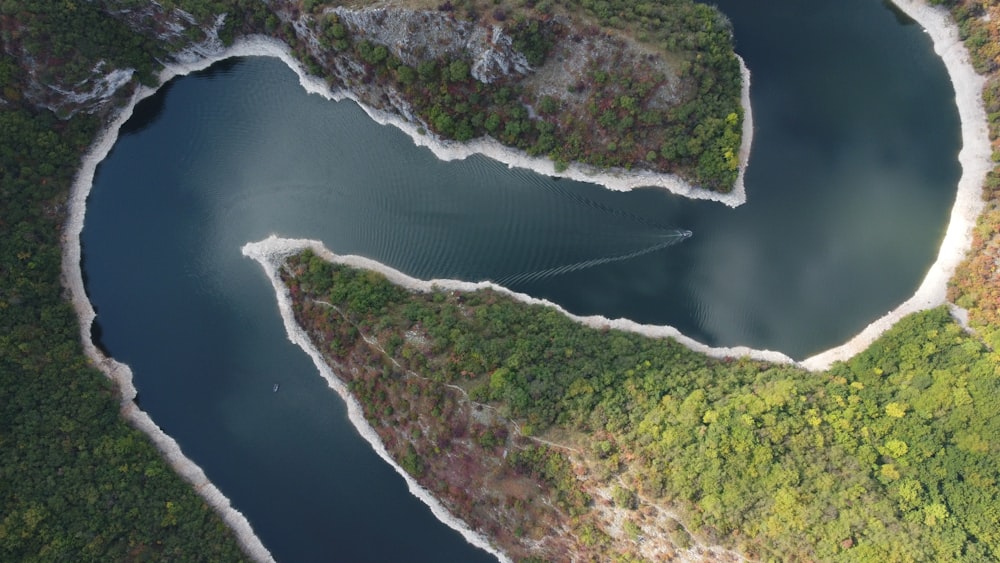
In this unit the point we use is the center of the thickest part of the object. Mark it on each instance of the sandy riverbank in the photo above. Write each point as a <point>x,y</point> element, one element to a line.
<point>975,158</point>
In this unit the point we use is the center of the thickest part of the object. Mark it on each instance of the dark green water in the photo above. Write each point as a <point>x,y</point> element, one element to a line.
<point>852,176</point>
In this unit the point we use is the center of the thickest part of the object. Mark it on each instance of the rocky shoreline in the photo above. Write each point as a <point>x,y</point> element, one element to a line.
<point>121,374</point>
<point>975,159</point>
<point>389,107</point>
<point>270,256</point>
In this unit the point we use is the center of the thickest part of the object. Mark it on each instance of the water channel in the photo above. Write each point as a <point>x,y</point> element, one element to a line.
<point>852,175</point>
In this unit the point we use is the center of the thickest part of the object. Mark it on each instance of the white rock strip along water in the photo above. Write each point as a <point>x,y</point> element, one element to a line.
<point>200,57</point>
<point>276,249</point>
<point>613,179</point>
<point>120,373</point>
<point>974,158</point>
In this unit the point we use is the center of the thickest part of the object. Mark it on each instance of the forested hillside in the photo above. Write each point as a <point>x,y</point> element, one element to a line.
<point>891,456</point>
<point>976,285</point>
<point>652,86</point>
<point>76,483</point>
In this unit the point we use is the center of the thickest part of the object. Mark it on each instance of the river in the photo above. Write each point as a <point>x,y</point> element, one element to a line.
<point>851,178</point>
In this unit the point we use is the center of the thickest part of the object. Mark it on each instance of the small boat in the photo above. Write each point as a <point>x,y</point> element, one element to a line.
<point>275,389</point>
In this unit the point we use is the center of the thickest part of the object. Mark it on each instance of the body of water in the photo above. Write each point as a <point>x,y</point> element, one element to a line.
<point>852,176</point>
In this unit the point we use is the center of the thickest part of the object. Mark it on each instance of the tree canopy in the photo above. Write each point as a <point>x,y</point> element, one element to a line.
<point>892,455</point>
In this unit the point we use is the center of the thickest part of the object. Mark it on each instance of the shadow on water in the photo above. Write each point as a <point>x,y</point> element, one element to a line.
<point>147,112</point>
<point>901,16</point>
<point>96,332</point>
<point>96,336</point>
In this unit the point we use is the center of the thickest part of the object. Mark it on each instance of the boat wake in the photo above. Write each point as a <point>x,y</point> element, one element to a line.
<point>670,239</point>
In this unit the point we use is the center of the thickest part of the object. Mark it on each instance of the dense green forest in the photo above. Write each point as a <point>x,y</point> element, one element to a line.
<point>76,482</point>
<point>891,456</point>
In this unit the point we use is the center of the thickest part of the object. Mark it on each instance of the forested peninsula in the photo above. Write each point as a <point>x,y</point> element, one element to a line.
<point>77,482</point>
<point>553,436</point>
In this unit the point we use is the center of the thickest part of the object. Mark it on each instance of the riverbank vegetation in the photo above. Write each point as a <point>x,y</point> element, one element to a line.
<point>76,482</point>
<point>976,284</point>
<point>650,86</point>
<point>519,497</point>
<point>891,456</point>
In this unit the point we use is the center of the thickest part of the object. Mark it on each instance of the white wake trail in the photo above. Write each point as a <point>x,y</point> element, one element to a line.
<point>539,275</point>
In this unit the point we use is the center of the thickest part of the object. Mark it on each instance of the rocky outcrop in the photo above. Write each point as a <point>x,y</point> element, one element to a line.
<point>412,36</point>
<point>415,36</point>
<point>47,85</point>
<point>91,93</point>
<point>535,83</point>
<point>500,59</point>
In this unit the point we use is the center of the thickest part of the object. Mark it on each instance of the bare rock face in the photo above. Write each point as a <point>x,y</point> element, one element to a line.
<point>412,36</point>
<point>153,18</point>
<point>91,93</point>
<point>209,46</point>
<point>499,59</point>
<point>416,36</point>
